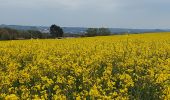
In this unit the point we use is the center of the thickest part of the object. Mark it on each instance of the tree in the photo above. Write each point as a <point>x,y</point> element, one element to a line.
<point>104,31</point>
<point>97,32</point>
<point>8,34</point>
<point>4,35</point>
<point>35,34</point>
<point>56,31</point>
<point>91,32</point>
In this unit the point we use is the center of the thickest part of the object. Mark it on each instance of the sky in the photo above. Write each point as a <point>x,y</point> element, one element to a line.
<point>87,13</point>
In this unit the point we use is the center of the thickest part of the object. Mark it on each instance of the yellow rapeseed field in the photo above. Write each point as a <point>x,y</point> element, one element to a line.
<point>121,67</point>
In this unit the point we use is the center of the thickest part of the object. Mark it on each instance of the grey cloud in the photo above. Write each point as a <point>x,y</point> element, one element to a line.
<point>95,13</point>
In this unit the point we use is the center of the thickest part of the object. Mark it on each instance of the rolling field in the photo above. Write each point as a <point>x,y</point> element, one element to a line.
<point>121,67</point>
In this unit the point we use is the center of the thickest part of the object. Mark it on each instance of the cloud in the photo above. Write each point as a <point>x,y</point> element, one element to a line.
<point>63,4</point>
<point>112,13</point>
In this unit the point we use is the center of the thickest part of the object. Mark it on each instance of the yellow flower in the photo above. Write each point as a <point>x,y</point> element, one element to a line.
<point>11,97</point>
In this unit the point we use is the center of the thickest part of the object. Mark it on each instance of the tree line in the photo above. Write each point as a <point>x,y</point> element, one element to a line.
<point>55,32</point>
<point>97,32</point>
<point>12,34</point>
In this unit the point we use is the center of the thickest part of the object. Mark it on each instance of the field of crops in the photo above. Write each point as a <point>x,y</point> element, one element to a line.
<point>121,67</point>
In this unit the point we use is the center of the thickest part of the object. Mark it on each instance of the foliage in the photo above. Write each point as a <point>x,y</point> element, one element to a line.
<point>97,32</point>
<point>12,34</point>
<point>56,31</point>
<point>135,67</point>
<point>91,32</point>
<point>8,34</point>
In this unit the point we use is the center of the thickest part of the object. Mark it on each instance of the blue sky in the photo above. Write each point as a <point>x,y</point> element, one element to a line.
<point>87,13</point>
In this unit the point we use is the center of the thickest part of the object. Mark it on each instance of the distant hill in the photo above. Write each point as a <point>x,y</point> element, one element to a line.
<point>125,30</point>
<point>81,30</point>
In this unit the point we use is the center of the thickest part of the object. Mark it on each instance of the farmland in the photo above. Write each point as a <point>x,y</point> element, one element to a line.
<point>122,67</point>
